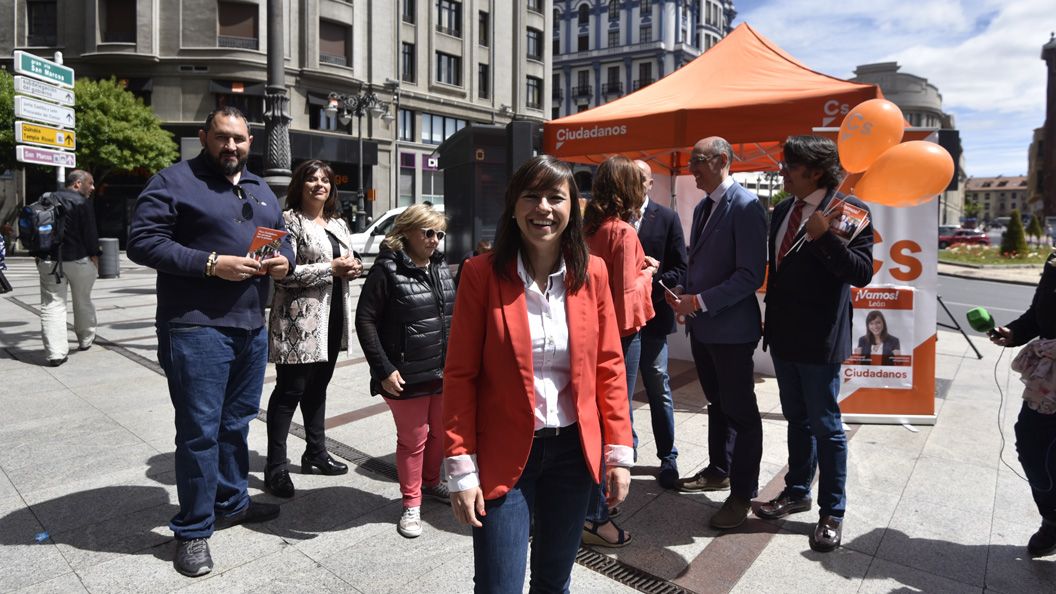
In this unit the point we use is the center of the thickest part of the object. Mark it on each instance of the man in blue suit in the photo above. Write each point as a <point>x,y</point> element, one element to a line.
<point>808,329</point>
<point>660,232</point>
<point>727,261</point>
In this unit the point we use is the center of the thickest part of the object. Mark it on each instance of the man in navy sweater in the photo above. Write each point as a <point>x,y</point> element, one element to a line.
<point>194,223</point>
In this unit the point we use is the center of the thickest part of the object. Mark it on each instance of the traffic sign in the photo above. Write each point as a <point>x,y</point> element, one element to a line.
<point>26,107</point>
<point>42,90</point>
<point>45,136</point>
<point>39,156</point>
<point>42,69</point>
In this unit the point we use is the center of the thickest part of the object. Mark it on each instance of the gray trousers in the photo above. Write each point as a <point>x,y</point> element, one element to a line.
<point>80,275</point>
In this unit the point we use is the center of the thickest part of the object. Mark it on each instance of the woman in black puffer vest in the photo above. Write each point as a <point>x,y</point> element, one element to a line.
<point>402,320</point>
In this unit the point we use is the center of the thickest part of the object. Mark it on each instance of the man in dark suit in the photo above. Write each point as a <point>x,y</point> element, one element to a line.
<point>808,329</point>
<point>727,261</point>
<point>660,232</point>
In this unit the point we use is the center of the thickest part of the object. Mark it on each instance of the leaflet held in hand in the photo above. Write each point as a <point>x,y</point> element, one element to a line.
<point>266,244</point>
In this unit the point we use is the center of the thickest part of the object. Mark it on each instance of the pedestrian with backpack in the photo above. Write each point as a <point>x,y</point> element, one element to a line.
<point>59,230</point>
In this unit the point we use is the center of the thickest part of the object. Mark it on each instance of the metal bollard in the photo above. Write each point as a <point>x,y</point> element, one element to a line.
<point>109,261</point>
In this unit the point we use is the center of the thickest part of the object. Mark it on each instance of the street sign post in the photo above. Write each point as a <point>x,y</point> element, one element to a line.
<point>40,156</point>
<point>31,133</point>
<point>41,111</point>
<point>42,90</point>
<point>42,69</point>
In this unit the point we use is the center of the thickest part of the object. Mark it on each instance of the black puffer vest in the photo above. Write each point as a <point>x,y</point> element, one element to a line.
<point>413,321</point>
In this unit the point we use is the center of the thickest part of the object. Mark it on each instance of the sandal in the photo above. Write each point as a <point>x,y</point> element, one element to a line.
<point>591,536</point>
<point>614,511</point>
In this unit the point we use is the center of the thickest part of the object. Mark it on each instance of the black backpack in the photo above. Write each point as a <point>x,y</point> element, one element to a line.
<point>42,227</point>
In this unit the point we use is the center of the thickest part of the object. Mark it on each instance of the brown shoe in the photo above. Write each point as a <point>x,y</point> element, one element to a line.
<point>782,506</point>
<point>708,479</point>
<point>732,513</point>
<point>827,534</point>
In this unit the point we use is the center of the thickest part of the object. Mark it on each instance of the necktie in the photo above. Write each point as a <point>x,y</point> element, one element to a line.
<point>708,204</point>
<point>790,233</point>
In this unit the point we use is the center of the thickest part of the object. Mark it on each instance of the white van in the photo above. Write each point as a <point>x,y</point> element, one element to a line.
<point>368,243</point>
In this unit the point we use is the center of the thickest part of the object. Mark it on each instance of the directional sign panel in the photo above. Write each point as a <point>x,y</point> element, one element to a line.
<point>42,69</point>
<point>41,111</point>
<point>39,156</point>
<point>42,90</point>
<point>30,133</point>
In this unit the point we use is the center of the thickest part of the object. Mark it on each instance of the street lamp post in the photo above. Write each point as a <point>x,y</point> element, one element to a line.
<point>358,105</point>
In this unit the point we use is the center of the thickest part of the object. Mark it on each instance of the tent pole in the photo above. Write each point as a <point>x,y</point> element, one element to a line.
<point>674,176</point>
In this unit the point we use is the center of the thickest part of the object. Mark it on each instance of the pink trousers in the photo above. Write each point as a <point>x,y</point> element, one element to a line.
<point>419,444</point>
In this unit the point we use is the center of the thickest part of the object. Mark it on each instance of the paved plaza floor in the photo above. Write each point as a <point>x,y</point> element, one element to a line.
<point>87,487</point>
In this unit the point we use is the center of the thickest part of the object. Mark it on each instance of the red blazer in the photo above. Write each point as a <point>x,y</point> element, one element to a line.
<point>489,385</point>
<point>616,242</point>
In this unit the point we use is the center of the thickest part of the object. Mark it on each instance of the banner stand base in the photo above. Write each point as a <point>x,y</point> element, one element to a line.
<point>866,419</point>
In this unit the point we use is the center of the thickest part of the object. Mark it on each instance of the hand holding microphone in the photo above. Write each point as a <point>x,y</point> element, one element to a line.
<point>981,321</point>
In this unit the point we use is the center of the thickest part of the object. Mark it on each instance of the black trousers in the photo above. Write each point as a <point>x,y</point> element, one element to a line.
<point>304,384</point>
<point>735,429</point>
<point>1036,444</point>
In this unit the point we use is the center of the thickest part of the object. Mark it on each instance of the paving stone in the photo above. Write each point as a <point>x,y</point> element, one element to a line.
<point>787,564</point>
<point>64,584</point>
<point>885,576</point>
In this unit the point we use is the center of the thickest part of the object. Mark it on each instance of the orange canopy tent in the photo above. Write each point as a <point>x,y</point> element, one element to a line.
<point>744,89</point>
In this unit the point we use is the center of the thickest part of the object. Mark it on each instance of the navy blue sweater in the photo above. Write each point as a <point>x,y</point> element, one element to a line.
<point>187,211</point>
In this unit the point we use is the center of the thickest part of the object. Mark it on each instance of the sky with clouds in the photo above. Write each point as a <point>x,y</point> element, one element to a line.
<point>983,55</point>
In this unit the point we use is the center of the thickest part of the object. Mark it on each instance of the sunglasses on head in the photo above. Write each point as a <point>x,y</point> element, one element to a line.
<point>431,233</point>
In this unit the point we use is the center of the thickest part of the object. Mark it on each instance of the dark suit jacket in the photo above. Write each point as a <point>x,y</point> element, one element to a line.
<point>808,298</point>
<point>727,263</point>
<point>661,235</point>
<point>887,349</point>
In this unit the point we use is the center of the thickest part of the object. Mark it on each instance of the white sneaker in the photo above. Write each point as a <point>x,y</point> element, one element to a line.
<point>438,492</point>
<point>410,524</point>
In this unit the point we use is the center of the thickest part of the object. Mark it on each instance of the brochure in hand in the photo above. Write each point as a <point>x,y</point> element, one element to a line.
<point>847,226</point>
<point>266,243</point>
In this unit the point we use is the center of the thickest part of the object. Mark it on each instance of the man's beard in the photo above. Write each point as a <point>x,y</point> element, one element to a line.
<point>228,167</point>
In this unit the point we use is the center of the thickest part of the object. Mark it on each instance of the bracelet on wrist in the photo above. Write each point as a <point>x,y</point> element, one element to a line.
<point>210,264</point>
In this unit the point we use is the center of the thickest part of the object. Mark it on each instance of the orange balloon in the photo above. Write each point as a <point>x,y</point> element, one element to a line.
<point>869,129</point>
<point>906,175</point>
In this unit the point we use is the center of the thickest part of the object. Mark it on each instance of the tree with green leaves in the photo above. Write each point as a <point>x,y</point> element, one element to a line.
<point>1014,240</point>
<point>7,121</point>
<point>1034,229</point>
<point>971,209</point>
<point>117,132</point>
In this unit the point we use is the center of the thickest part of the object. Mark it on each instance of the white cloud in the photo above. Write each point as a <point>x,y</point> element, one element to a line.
<point>983,55</point>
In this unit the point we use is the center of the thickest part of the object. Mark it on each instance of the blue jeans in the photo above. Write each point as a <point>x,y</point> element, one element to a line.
<point>215,377</point>
<point>816,440</point>
<point>653,366</point>
<point>553,490</point>
<point>1036,445</point>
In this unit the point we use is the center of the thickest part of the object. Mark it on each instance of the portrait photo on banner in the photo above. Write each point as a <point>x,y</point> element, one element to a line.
<point>882,338</point>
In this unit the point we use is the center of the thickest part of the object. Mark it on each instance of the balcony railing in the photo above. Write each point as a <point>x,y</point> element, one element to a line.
<point>329,59</point>
<point>582,91</point>
<point>249,43</point>
<point>643,82</point>
<point>612,88</point>
<point>452,31</point>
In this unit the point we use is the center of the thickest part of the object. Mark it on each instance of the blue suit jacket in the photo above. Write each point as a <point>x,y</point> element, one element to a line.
<point>661,235</point>
<point>727,263</point>
<point>808,298</point>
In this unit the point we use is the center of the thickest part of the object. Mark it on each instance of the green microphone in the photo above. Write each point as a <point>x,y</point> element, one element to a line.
<point>981,321</point>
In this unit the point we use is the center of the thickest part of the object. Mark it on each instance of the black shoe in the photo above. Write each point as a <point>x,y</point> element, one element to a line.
<point>827,534</point>
<point>325,464</point>
<point>192,557</point>
<point>57,362</point>
<point>668,477</point>
<point>782,506</point>
<point>708,479</point>
<point>279,483</point>
<point>254,512</point>
<point>1043,542</point>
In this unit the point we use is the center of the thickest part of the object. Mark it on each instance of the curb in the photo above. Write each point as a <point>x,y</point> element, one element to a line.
<point>992,280</point>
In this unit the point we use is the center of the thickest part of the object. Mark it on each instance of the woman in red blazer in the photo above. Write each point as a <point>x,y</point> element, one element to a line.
<point>535,391</point>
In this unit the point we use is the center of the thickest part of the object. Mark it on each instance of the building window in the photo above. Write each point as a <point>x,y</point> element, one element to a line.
<point>318,119</point>
<point>438,128</point>
<point>405,128</point>
<point>535,93</point>
<point>41,23</point>
<point>432,183</point>
<point>334,43</point>
<point>449,17</point>
<point>645,33</point>
<point>556,46</point>
<point>614,10</point>
<point>557,22</point>
<point>410,12</point>
<point>645,75</point>
<point>483,81</point>
<point>407,162</point>
<point>252,106</point>
<point>555,112</point>
<point>408,71</point>
<point>614,38</point>
<point>448,69</point>
<point>645,7</point>
<point>118,21</point>
<point>483,29</point>
<point>584,15</point>
<point>584,42</point>
<point>535,5</point>
<point>535,44</point>
<point>238,25</point>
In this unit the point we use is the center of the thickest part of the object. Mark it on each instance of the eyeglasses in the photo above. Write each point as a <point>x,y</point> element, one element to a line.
<point>431,233</point>
<point>786,166</point>
<point>702,158</point>
<point>247,208</point>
